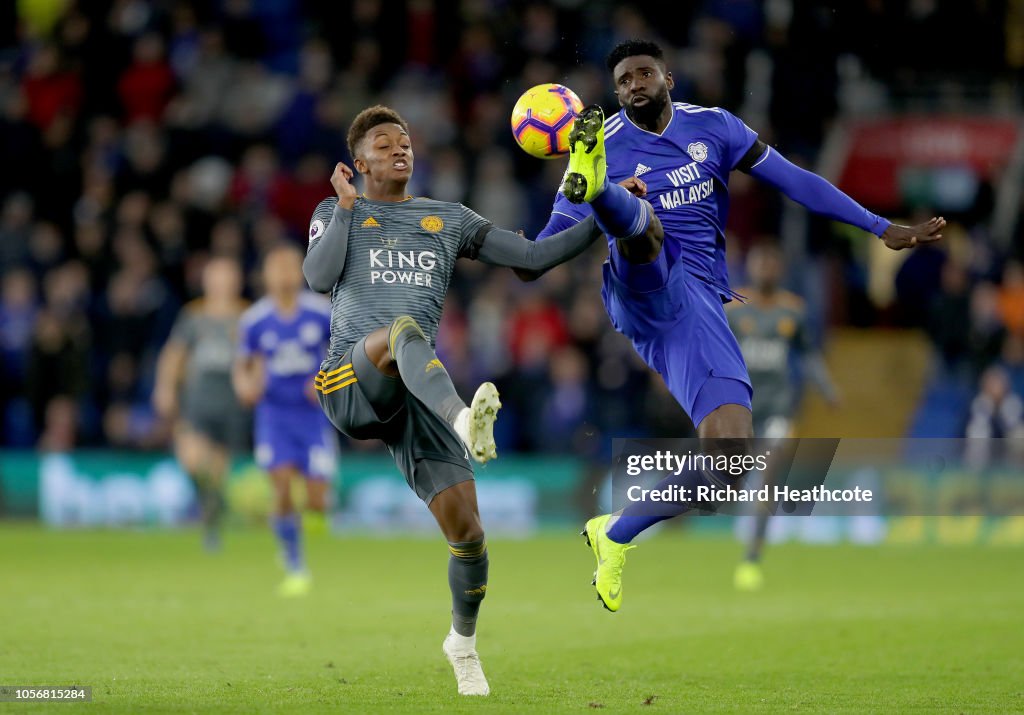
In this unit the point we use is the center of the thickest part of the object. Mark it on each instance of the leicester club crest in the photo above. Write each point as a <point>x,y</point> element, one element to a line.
<point>433,224</point>
<point>698,151</point>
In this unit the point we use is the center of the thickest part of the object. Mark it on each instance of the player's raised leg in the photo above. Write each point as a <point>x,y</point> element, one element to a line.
<point>723,417</point>
<point>457,514</point>
<point>619,212</point>
<point>403,349</point>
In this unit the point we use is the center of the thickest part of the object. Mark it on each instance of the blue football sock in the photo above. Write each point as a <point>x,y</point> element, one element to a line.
<point>643,515</point>
<point>286,528</point>
<point>620,214</point>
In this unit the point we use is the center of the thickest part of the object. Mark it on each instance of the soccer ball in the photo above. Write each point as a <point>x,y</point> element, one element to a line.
<point>542,120</point>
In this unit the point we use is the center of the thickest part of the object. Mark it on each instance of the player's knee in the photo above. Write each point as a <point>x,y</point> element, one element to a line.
<point>655,231</point>
<point>726,423</point>
<point>282,492</point>
<point>377,348</point>
<point>646,246</point>
<point>403,329</point>
<point>469,550</point>
<point>404,325</point>
<point>465,529</point>
<point>283,503</point>
<point>467,533</point>
<point>188,453</point>
<point>283,500</point>
<point>316,498</point>
<point>639,249</point>
<point>188,461</point>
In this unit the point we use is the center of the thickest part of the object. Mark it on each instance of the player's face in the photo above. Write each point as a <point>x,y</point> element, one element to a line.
<point>386,154</point>
<point>222,279</point>
<point>765,268</point>
<point>282,272</point>
<point>642,86</point>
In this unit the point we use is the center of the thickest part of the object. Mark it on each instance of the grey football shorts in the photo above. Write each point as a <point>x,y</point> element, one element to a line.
<point>228,426</point>
<point>364,403</point>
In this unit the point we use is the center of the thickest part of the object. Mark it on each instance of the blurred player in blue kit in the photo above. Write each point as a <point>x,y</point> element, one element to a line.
<point>666,279</point>
<point>282,339</point>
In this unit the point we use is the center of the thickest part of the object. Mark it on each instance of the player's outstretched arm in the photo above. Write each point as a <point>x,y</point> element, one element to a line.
<point>505,248</point>
<point>556,223</point>
<point>818,195</point>
<point>565,215</point>
<point>328,243</point>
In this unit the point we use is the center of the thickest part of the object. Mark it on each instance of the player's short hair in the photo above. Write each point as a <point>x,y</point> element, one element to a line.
<point>633,48</point>
<point>367,120</point>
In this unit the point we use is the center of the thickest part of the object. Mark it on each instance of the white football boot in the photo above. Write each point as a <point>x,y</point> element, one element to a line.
<point>461,653</point>
<point>475,424</point>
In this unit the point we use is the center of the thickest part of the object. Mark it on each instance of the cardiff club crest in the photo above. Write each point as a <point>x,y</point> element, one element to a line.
<point>698,151</point>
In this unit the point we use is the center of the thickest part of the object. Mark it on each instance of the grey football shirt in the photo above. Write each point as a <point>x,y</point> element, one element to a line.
<point>399,261</point>
<point>769,335</point>
<point>210,343</point>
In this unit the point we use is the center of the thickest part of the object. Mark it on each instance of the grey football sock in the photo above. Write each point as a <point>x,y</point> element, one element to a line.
<point>467,578</point>
<point>421,371</point>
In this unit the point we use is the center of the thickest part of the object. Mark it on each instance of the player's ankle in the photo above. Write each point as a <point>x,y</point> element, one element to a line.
<point>461,644</point>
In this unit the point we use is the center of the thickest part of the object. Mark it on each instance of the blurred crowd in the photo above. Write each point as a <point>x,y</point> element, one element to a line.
<point>141,136</point>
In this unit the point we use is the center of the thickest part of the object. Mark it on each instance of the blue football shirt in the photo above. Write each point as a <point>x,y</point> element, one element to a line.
<point>686,169</point>
<point>292,347</point>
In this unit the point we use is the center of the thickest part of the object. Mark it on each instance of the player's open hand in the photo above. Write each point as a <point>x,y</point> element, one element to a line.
<point>899,237</point>
<point>634,186</point>
<point>341,180</point>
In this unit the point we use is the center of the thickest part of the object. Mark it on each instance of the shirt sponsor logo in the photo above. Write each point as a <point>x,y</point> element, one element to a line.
<point>410,267</point>
<point>765,354</point>
<point>310,333</point>
<point>268,340</point>
<point>290,358</point>
<point>686,192</point>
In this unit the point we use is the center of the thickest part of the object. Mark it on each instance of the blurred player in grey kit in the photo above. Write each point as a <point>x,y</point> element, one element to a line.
<point>193,388</point>
<point>771,328</point>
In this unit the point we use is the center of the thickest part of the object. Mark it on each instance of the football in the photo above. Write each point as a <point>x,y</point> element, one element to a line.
<point>542,119</point>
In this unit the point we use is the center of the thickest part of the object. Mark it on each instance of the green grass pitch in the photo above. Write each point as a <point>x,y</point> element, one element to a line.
<point>155,625</point>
